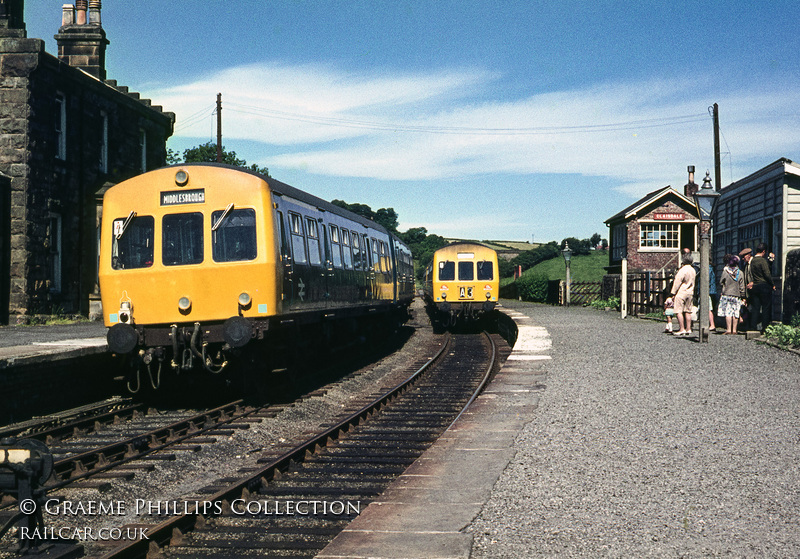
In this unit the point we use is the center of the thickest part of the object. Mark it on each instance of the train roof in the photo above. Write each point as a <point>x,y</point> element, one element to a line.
<point>283,189</point>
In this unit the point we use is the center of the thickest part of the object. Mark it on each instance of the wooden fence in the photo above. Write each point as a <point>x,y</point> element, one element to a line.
<point>646,291</point>
<point>580,292</point>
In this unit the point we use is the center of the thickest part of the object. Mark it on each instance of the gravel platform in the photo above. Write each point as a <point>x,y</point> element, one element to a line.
<point>647,445</point>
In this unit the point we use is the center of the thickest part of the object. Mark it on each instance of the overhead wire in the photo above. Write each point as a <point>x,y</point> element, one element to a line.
<point>398,127</point>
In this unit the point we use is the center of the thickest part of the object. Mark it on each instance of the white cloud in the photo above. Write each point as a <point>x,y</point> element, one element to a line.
<point>439,125</point>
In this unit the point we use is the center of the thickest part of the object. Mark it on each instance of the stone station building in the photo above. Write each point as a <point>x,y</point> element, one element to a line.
<point>66,135</point>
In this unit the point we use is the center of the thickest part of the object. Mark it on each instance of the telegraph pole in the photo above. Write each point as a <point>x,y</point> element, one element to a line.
<point>219,127</point>
<point>717,163</point>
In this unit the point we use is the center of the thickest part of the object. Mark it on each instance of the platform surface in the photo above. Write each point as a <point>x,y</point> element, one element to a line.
<point>605,437</point>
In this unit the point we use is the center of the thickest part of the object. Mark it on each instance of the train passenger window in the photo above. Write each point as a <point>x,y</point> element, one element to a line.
<point>234,240</point>
<point>466,271</point>
<point>313,242</point>
<point>447,270</point>
<point>356,252</point>
<point>133,245</point>
<point>348,257</point>
<point>376,259</point>
<point>485,270</point>
<point>298,239</point>
<point>336,249</point>
<point>182,239</point>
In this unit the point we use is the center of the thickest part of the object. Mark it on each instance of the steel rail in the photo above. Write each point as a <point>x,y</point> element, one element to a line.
<point>174,527</point>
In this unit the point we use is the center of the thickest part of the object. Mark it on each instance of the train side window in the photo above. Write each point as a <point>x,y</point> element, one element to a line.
<point>366,254</point>
<point>313,241</point>
<point>182,239</point>
<point>466,271</point>
<point>376,259</point>
<point>284,242</point>
<point>356,252</point>
<point>234,240</point>
<point>133,245</point>
<point>485,270</point>
<point>348,257</point>
<point>298,239</point>
<point>336,248</point>
<point>447,270</point>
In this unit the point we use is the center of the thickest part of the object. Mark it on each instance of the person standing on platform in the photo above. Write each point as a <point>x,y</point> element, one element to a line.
<point>760,287</point>
<point>730,301</point>
<point>682,292</point>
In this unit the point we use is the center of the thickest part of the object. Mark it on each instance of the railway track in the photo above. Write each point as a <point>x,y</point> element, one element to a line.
<point>299,500</point>
<point>364,463</point>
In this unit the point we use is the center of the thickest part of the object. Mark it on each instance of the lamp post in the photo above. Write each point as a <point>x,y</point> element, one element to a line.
<point>705,198</point>
<point>567,252</point>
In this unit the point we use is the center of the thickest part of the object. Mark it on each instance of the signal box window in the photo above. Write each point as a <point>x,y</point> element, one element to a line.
<point>182,239</point>
<point>485,270</point>
<point>234,238</point>
<point>298,240</point>
<point>132,245</point>
<point>466,271</point>
<point>447,270</point>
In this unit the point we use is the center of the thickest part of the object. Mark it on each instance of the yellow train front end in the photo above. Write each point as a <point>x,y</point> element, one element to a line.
<point>189,264</point>
<point>463,282</point>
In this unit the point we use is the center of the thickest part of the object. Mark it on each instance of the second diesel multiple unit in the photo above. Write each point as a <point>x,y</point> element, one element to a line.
<point>197,260</point>
<point>462,282</point>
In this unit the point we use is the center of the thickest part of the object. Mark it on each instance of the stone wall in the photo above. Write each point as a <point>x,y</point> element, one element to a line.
<point>46,188</point>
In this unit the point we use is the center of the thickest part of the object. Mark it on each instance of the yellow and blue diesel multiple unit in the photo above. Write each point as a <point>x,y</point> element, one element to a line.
<point>463,282</point>
<point>199,259</point>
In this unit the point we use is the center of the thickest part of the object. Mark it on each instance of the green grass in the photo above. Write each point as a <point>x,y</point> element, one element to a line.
<point>582,268</point>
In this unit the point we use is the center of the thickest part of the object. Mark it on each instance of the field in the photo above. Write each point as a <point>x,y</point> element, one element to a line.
<point>582,268</point>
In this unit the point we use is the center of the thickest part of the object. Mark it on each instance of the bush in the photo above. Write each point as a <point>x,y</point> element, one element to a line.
<point>532,287</point>
<point>783,334</point>
<point>602,304</point>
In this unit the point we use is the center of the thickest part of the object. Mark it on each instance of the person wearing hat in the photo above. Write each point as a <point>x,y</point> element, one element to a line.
<point>745,256</point>
<point>760,287</point>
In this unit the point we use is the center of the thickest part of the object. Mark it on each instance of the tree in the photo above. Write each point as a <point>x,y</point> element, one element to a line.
<point>384,216</point>
<point>207,153</point>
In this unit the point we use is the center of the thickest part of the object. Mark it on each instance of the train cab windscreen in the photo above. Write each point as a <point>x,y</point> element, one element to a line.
<point>132,245</point>
<point>182,239</point>
<point>447,270</point>
<point>234,238</point>
<point>485,270</point>
<point>466,271</point>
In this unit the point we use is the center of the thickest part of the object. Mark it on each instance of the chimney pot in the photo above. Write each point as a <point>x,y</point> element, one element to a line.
<point>80,12</point>
<point>67,14</point>
<point>94,12</point>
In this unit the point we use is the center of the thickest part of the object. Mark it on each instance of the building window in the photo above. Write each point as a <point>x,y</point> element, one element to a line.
<point>61,126</point>
<point>103,142</point>
<point>54,245</point>
<point>143,149</point>
<point>619,241</point>
<point>659,235</point>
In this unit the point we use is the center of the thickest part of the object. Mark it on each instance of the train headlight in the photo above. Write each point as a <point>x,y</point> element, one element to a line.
<point>488,294</point>
<point>125,311</point>
<point>184,304</point>
<point>444,296</point>
<point>244,299</point>
<point>181,177</point>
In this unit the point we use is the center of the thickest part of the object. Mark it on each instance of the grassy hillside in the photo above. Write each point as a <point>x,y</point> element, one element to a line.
<point>582,268</point>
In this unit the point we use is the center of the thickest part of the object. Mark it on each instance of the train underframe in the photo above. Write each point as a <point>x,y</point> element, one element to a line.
<point>267,344</point>
<point>452,314</point>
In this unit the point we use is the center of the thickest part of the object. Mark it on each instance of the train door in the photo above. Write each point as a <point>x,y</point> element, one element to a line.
<point>288,290</point>
<point>370,264</point>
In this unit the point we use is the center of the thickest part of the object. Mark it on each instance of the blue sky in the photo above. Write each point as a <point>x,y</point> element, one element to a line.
<point>530,120</point>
